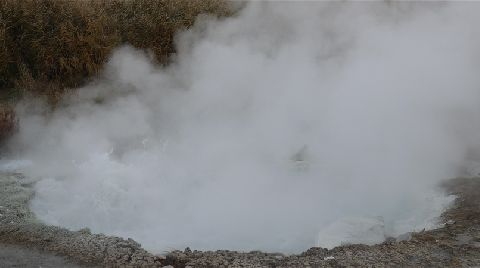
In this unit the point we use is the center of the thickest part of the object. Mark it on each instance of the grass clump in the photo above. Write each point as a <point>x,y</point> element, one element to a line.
<point>47,46</point>
<point>61,42</point>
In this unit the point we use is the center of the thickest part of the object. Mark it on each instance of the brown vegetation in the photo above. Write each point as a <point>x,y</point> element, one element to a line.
<point>7,121</point>
<point>49,45</point>
<point>64,41</point>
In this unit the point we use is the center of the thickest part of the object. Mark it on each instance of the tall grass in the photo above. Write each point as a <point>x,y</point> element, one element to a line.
<point>49,45</point>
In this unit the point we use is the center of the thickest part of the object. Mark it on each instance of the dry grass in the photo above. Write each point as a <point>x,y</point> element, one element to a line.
<point>8,122</point>
<point>49,45</point>
<point>65,42</point>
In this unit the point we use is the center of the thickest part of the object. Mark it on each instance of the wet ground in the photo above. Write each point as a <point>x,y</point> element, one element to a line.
<point>16,256</point>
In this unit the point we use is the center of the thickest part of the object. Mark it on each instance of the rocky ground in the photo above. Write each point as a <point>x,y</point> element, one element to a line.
<point>457,244</point>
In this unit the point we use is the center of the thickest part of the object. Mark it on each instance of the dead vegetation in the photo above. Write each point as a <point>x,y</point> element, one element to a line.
<point>47,46</point>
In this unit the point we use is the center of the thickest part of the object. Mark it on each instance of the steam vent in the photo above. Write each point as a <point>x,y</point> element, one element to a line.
<point>214,133</point>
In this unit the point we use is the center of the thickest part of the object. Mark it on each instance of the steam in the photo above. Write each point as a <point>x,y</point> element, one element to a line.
<point>286,126</point>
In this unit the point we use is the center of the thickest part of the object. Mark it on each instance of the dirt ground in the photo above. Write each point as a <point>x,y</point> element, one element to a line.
<point>26,242</point>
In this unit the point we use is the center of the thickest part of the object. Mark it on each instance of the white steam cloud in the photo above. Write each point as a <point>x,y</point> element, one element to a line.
<point>285,126</point>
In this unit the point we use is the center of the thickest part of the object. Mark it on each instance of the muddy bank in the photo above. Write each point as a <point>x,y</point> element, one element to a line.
<point>457,244</point>
<point>19,227</point>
